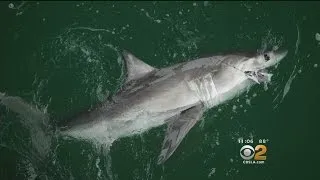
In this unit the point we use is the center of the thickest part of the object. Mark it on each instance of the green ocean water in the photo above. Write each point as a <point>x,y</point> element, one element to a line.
<point>64,57</point>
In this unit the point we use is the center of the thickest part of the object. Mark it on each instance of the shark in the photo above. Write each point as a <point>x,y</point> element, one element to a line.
<point>176,96</point>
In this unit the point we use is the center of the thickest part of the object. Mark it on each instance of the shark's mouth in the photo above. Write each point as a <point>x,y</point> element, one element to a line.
<point>259,76</point>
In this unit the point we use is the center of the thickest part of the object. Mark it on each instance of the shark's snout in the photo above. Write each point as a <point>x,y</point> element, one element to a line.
<point>257,68</point>
<point>280,54</point>
<point>274,57</point>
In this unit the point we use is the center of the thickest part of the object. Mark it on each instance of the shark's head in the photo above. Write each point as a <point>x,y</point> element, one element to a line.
<point>256,67</point>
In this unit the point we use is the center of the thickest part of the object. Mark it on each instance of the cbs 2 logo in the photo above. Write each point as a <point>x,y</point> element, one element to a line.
<point>258,153</point>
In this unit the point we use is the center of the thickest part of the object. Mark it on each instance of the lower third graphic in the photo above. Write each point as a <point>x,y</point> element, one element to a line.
<point>256,155</point>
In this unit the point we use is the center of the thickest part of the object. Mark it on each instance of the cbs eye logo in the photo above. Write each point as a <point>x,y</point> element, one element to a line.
<point>258,153</point>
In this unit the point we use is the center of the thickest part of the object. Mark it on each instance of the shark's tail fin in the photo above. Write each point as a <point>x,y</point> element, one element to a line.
<point>32,119</point>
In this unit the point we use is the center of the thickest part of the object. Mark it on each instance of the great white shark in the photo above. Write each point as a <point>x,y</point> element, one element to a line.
<point>176,96</point>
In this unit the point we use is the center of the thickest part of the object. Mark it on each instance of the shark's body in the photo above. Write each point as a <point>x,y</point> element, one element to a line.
<point>176,95</point>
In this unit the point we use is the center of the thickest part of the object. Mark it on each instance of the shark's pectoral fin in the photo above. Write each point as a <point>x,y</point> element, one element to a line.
<point>136,68</point>
<point>177,130</point>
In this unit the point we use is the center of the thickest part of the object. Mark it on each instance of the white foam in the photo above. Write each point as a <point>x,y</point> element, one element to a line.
<point>98,167</point>
<point>212,171</point>
<point>11,5</point>
<point>234,107</point>
<point>248,101</point>
<point>298,40</point>
<point>289,82</point>
<point>317,36</point>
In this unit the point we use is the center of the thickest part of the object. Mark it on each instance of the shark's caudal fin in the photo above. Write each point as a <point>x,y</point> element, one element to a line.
<point>177,130</point>
<point>136,68</point>
<point>33,119</point>
<point>17,105</point>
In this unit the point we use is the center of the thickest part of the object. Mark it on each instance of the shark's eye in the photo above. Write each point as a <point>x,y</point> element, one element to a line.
<point>248,72</point>
<point>266,57</point>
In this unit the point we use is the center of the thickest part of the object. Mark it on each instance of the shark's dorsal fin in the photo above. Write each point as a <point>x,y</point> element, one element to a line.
<point>177,130</point>
<point>136,68</point>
